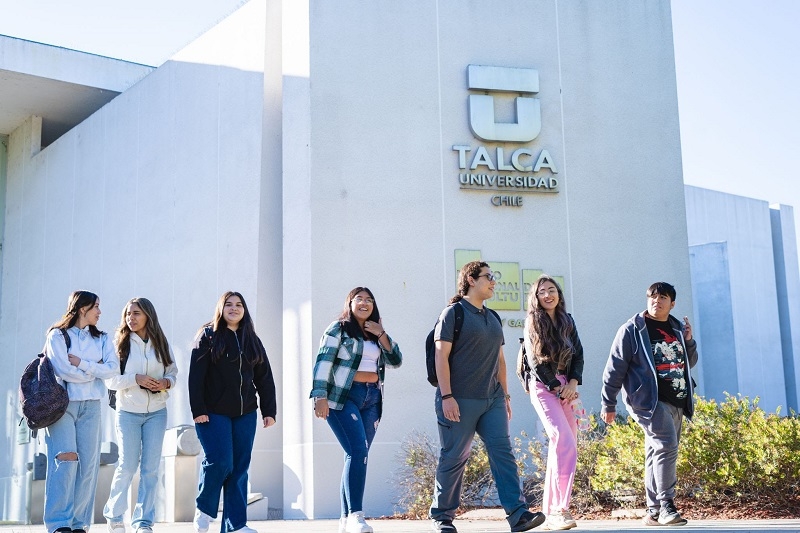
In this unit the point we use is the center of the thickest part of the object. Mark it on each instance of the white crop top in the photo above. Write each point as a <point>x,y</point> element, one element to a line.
<point>369,359</point>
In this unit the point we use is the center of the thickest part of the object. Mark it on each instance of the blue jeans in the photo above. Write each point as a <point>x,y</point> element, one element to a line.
<point>228,444</point>
<point>139,435</point>
<point>489,419</point>
<point>70,485</point>
<point>355,426</point>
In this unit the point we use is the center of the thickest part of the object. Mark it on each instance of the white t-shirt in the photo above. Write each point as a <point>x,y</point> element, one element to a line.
<point>369,359</point>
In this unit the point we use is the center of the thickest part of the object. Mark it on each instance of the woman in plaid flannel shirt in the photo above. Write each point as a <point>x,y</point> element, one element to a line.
<point>348,392</point>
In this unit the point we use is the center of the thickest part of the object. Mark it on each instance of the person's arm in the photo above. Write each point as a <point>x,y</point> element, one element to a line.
<point>502,378</point>
<point>390,349</point>
<point>108,367</point>
<point>198,367</point>
<point>323,367</point>
<point>56,350</point>
<point>122,381</point>
<point>691,344</point>
<point>615,371</point>
<point>265,385</point>
<point>574,376</point>
<point>442,359</point>
<point>171,372</point>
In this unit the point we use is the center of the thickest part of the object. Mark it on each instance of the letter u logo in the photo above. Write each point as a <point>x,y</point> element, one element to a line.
<point>481,106</point>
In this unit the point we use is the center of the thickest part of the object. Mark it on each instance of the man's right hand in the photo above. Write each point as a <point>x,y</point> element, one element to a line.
<point>450,410</point>
<point>608,417</point>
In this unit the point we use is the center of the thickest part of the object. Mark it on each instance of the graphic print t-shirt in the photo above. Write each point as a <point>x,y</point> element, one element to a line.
<point>670,362</point>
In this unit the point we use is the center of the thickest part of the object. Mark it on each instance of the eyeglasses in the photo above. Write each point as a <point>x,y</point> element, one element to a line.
<point>545,292</point>
<point>489,276</point>
<point>360,300</point>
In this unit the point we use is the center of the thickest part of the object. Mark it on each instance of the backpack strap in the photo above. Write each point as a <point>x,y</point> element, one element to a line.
<point>458,309</point>
<point>66,338</point>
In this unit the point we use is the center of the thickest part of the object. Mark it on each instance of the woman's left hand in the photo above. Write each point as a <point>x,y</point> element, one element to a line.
<point>268,421</point>
<point>569,391</point>
<point>74,360</point>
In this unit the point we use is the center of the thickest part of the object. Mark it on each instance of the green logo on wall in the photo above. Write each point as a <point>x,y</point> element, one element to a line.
<point>513,283</point>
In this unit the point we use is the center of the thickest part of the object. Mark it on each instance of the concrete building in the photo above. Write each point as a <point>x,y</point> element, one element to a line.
<point>302,147</point>
<point>746,287</point>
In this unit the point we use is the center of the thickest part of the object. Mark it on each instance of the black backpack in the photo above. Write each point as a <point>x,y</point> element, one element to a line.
<point>112,394</point>
<point>524,370</point>
<point>44,401</point>
<point>430,344</point>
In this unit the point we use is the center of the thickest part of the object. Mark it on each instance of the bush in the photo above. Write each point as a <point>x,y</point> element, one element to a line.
<point>731,451</point>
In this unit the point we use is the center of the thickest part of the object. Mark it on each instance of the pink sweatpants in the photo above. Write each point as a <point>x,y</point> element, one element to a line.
<point>562,451</point>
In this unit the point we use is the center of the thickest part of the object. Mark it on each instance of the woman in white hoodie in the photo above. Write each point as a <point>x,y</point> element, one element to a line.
<point>147,372</point>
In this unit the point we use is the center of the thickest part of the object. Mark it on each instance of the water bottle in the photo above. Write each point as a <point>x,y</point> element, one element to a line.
<point>580,414</point>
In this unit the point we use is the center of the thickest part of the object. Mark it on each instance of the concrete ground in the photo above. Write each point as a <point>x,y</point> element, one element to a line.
<point>464,525</point>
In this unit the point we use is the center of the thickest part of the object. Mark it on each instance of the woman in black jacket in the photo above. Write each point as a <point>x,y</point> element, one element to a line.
<point>229,367</point>
<point>556,358</point>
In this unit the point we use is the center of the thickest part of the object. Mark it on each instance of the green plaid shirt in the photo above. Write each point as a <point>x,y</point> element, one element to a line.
<point>337,361</point>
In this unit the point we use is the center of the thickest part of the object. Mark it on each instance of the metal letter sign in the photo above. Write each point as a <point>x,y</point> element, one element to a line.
<point>481,106</point>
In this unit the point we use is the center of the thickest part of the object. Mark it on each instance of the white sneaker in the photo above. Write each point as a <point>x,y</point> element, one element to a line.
<point>357,524</point>
<point>116,527</point>
<point>244,529</point>
<point>343,524</point>
<point>559,520</point>
<point>144,529</point>
<point>201,521</point>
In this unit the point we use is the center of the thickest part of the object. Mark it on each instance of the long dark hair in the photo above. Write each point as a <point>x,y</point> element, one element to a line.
<point>349,322</point>
<point>550,339</point>
<point>251,347</point>
<point>470,270</point>
<point>122,339</point>
<point>77,301</point>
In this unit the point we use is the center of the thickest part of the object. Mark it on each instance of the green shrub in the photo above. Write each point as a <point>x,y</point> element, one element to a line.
<point>731,449</point>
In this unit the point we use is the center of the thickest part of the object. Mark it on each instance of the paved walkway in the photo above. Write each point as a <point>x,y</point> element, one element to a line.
<point>463,525</point>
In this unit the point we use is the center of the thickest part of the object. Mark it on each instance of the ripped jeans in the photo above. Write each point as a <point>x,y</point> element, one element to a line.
<point>70,485</point>
<point>355,426</point>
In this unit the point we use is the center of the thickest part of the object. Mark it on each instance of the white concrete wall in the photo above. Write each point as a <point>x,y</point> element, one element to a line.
<point>744,225</point>
<point>158,194</point>
<point>374,98</point>
<point>787,276</point>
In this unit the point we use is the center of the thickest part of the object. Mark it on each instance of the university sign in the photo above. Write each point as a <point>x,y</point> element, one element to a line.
<point>512,286</point>
<point>509,171</point>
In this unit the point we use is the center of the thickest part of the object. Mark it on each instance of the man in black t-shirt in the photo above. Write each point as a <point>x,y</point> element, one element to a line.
<point>651,361</point>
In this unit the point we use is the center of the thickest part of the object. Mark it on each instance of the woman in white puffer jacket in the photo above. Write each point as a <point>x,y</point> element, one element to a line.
<point>147,372</point>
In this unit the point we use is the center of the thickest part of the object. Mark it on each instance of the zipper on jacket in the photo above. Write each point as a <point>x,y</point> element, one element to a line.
<point>241,377</point>
<point>648,352</point>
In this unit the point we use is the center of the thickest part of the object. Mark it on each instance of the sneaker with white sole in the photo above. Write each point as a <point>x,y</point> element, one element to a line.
<point>357,524</point>
<point>116,527</point>
<point>669,515</point>
<point>559,520</point>
<point>144,529</point>
<point>244,529</point>
<point>201,521</point>
<point>342,524</point>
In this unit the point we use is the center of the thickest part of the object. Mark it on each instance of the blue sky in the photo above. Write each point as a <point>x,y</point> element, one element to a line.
<point>737,67</point>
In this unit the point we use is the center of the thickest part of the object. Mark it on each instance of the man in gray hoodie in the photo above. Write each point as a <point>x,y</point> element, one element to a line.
<point>651,361</point>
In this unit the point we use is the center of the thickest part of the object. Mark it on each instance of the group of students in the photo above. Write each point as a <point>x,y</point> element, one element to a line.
<point>650,361</point>
<point>230,379</point>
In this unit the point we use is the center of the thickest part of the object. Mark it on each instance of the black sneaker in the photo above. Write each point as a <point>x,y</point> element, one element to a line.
<point>669,515</point>
<point>444,526</point>
<point>527,521</point>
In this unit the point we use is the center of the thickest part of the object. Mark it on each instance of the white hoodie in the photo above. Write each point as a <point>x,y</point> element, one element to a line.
<point>142,360</point>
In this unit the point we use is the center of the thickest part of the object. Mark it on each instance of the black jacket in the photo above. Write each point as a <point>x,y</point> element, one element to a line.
<point>228,387</point>
<point>545,373</point>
